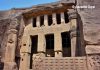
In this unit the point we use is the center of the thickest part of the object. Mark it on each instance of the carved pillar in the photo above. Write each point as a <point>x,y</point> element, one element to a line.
<point>45,20</point>
<point>73,28</point>
<point>10,50</point>
<point>38,21</point>
<point>54,18</point>
<point>11,46</point>
<point>62,17</point>
<point>73,37</point>
<point>25,51</point>
<point>41,44</point>
<point>58,44</point>
<point>25,61</point>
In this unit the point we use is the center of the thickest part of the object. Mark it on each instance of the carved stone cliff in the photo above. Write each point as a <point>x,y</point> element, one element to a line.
<point>89,18</point>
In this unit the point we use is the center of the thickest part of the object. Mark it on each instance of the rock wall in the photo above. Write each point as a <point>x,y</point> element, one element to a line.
<point>91,20</point>
<point>91,31</point>
<point>6,25</point>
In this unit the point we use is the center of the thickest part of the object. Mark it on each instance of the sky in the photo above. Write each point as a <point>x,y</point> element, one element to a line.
<point>8,4</point>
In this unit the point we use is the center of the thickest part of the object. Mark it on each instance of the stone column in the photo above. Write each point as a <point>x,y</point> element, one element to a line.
<point>41,44</point>
<point>25,61</point>
<point>73,37</point>
<point>10,50</point>
<point>11,46</point>
<point>58,44</point>
<point>62,18</point>
<point>25,51</point>
<point>54,18</point>
<point>45,20</point>
<point>38,21</point>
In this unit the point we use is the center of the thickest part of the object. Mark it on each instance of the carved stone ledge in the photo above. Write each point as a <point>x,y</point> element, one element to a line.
<point>93,49</point>
<point>14,31</point>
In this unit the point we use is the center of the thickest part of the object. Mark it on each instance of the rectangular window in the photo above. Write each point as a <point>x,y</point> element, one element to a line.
<point>41,20</point>
<point>66,44</point>
<point>58,17</point>
<point>66,17</point>
<point>49,20</point>
<point>49,45</point>
<point>34,22</point>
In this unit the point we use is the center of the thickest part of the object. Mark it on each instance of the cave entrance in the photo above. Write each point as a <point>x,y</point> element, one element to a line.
<point>34,44</point>
<point>49,45</point>
<point>66,44</point>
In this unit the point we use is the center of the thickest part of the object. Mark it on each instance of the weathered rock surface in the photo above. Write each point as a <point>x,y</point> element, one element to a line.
<point>3,35</point>
<point>91,20</point>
